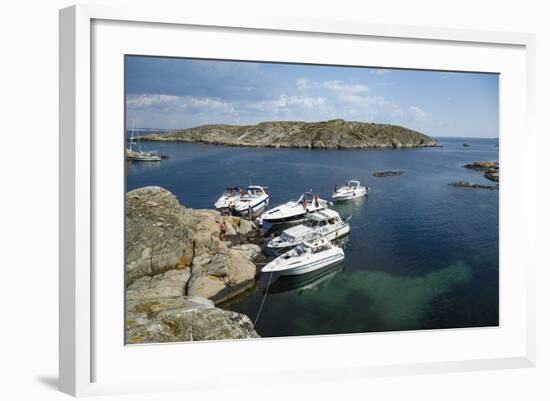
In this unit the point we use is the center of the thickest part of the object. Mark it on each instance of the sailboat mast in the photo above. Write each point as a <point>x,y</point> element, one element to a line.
<point>138,141</point>
<point>132,136</point>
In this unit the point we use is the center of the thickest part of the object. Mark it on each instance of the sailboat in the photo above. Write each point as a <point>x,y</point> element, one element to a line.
<point>140,155</point>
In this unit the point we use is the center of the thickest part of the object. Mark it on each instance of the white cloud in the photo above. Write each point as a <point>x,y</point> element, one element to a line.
<point>337,86</point>
<point>380,71</point>
<point>286,103</point>
<point>145,101</point>
<point>315,102</point>
<point>302,84</point>
<point>342,87</point>
<point>208,103</point>
<point>412,112</point>
<point>299,101</point>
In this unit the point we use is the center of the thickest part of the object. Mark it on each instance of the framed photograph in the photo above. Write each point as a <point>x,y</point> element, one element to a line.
<point>324,196</point>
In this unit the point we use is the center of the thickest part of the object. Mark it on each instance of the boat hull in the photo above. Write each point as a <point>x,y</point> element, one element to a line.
<point>144,158</point>
<point>245,211</point>
<point>310,267</point>
<point>350,196</point>
<point>284,220</point>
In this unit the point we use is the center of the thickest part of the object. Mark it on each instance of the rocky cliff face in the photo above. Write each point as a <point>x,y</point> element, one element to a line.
<point>191,258</point>
<point>333,134</point>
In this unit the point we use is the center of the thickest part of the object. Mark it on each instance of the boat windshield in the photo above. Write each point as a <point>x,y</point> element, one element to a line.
<point>306,196</point>
<point>231,191</point>
<point>287,238</point>
<point>254,191</point>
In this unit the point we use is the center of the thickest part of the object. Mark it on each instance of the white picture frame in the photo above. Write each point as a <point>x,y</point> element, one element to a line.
<point>88,366</point>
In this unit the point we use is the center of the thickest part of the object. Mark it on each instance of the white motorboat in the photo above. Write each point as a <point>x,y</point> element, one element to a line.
<point>294,210</point>
<point>139,155</point>
<point>254,200</point>
<point>353,189</point>
<point>228,199</point>
<point>327,223</point>
<point>306,257</point>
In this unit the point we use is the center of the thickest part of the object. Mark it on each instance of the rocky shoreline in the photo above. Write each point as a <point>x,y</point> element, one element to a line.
<point>490,171</point>
<point>332,134</point>
<point>180,263</point>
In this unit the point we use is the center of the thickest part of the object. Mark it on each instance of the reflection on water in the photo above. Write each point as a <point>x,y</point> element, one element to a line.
<point>312,281</point>
<point>137,167</point>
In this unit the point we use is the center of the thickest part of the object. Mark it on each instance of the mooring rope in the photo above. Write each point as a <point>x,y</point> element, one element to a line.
<point>263,299</point>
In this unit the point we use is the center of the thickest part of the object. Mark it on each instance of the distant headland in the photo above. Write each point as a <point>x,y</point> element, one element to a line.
<point>332,134</point>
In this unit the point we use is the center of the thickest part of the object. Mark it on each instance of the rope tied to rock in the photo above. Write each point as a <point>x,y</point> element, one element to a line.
<point>263,299</point>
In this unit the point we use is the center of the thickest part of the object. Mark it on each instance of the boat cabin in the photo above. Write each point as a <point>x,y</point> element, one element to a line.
<point>323,218</point>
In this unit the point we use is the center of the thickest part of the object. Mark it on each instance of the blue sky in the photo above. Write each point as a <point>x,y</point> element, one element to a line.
<point>182,93</point>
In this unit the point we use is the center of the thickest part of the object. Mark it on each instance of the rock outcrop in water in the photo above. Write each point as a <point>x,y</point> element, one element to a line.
<point>188,259</point>
<point>490,169</point>
<point>387,173</point>
<point>466,184</point>
<point>333,134</point>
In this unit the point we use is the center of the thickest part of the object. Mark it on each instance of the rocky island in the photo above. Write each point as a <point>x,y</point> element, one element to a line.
<point>180,263</point>
<point>333,134</point>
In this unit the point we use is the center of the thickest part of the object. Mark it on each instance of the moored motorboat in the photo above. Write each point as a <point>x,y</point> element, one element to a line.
<point>294,210</point>
<point>306,257</point>
<point>229,197</point>
<point>353,189</point>
<point>253,201</point>
<point>326,222</point>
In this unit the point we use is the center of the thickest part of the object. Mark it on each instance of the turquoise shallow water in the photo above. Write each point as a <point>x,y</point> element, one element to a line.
<point>421,254</point>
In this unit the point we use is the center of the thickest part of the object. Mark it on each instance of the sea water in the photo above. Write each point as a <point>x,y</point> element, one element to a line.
<point>421,254</point>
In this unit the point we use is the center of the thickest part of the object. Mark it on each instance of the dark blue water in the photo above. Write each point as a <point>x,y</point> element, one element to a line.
<point>421,254</point>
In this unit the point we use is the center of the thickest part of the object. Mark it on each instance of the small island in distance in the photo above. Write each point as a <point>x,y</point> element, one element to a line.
<point>332,134</point>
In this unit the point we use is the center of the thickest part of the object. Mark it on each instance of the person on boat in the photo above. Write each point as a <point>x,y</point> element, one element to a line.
<point>316,201</point>
<point>304,203</point>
